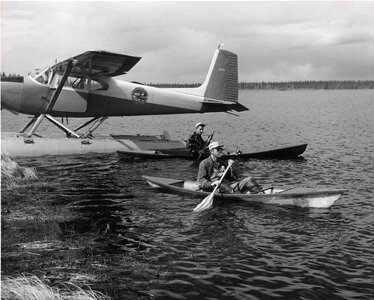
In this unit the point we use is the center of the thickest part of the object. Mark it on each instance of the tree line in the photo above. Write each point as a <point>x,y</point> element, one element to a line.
<point>289,85</point>
<point>317,85</point>
<point>286,85</point>
<point>9,75</point>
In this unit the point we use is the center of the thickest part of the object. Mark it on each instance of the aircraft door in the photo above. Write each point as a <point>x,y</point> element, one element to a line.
<point>74,96</point>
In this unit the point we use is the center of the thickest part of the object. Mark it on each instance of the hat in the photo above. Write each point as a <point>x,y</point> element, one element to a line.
<point>200,124</point>
<point>214,145</point>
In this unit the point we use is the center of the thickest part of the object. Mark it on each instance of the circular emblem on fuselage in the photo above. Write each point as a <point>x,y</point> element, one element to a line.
<point>139,95</point>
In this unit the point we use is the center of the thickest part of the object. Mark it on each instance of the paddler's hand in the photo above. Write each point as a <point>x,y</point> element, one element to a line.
<point>230,162</point>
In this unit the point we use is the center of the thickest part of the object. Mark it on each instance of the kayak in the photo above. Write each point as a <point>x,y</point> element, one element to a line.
<point>301,197</point>
<point>277,153</point>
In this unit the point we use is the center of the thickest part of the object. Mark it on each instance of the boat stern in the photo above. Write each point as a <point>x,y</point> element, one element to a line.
<point>319,200</point>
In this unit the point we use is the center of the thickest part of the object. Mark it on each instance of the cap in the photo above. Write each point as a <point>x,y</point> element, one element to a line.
<point>200,124</point>
<point>214,145</point>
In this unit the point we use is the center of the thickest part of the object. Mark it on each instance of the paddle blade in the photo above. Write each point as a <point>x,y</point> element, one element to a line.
<point>205,204</point>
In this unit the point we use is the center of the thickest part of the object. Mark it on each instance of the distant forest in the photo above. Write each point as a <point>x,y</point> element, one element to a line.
<point>317,85</point>
<point>9,75</point>
<point>289,85</point>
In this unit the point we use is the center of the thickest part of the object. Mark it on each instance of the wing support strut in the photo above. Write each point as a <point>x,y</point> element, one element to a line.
<point>37,120</point>
<point>69,67</point>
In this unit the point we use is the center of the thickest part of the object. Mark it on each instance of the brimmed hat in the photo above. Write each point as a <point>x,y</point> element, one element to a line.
<point>200,124</point>
<point>214,145</point>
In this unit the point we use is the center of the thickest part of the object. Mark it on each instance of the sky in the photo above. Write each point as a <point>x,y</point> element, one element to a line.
<point>274,41</point>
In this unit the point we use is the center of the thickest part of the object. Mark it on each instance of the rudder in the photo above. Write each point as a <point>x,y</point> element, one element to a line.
<point>221,82</point>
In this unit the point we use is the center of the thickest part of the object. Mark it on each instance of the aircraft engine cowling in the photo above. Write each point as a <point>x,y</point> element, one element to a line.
<point>34,97</point>
<point>11,93</point>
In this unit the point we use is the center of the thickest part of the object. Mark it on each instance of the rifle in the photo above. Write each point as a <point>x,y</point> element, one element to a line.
<point>205,146</point>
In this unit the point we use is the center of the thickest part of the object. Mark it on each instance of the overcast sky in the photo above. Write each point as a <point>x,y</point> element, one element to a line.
<point>275,41</point>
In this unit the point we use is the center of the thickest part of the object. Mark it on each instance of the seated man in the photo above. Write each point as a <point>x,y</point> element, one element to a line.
<point>195,142</point>
<point>212,168</point>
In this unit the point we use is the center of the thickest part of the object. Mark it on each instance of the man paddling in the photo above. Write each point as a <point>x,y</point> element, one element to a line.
<point>212,168</point>
<point>196,143</point>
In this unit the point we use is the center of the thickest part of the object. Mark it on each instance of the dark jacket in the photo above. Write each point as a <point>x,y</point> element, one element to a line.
<point>195,144</point>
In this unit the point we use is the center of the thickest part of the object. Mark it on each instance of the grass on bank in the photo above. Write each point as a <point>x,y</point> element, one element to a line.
<point>33,232</point>
<point>32,288</point>
<point>11,171</point>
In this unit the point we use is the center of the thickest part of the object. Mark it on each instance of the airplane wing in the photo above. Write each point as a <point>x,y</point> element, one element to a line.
<point>98,63</point>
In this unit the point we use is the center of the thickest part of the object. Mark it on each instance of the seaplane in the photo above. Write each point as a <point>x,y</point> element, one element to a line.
<point>84,86</point>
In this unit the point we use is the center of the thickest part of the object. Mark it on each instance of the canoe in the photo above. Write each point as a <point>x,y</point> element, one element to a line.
<point>277,153</point>
<point>301,197</point>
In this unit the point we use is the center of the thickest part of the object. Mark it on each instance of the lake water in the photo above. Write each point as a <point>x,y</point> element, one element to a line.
<point>233,251</point>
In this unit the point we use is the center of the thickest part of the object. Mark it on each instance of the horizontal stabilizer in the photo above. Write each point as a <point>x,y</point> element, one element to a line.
<point>213,101</point>
<point>234,106</point>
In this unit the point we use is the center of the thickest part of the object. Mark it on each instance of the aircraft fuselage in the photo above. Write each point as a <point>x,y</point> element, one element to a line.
<point>119,99</point>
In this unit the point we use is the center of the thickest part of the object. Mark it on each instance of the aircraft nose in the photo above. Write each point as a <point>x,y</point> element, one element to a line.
<point>11,93</point>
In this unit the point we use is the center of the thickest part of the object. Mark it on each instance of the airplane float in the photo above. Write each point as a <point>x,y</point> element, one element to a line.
<point>84,86</point>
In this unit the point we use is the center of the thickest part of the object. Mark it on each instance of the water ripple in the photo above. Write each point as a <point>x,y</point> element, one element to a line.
<point>235,250</point>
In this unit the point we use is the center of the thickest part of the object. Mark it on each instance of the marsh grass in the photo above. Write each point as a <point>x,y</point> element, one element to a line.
<point>31,229</point>
<point>18,184</point>
<point>11,171</point>
<point>44,236</point>
<point>32,288</point>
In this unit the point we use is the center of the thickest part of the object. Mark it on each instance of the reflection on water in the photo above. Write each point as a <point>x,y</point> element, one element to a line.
<point>233,251</point>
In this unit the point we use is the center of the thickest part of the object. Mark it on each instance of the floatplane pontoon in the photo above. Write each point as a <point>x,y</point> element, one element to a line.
<point>84,87</point>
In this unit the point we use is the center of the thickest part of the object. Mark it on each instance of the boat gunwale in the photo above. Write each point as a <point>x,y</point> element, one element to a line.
<point>293,151</point>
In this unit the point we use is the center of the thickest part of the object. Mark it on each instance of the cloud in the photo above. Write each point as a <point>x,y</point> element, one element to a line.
<point>275,41</point>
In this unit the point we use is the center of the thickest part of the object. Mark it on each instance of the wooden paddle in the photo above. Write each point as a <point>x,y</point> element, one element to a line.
<point>208,201</point>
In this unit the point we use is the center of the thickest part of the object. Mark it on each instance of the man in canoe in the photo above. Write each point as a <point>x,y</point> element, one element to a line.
<point>212,168</point>
<point>196,143</point>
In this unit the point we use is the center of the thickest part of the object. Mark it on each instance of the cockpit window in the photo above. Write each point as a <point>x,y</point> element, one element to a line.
<point>80,83</point>
<point>98,85</point>
<point>50,77</point>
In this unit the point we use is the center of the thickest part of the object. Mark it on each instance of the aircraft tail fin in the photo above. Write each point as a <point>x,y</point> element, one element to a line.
<point>221,82</point>
<point>220,87</point>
